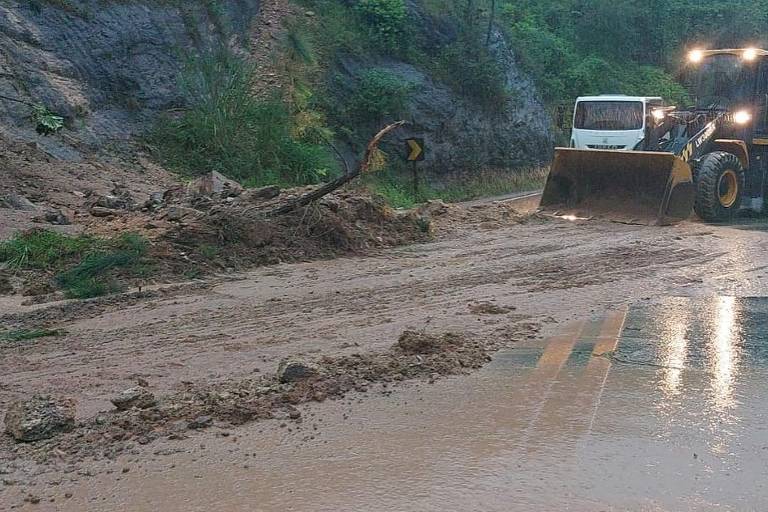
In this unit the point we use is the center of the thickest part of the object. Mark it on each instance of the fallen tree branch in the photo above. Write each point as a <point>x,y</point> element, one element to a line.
<point>329,187</point>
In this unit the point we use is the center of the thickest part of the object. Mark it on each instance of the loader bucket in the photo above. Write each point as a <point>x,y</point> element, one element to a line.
<point>637,187</point>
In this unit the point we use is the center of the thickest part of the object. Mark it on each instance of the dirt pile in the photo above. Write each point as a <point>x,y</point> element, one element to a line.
<point>416,355</point>
<point>448,219</point>
<point>233,228</point>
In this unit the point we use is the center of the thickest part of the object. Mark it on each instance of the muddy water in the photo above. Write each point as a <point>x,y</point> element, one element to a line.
<point>661,407</point>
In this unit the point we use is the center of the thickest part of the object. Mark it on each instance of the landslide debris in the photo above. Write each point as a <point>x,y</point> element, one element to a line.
<point>416,355</point>
<point>40,417</point>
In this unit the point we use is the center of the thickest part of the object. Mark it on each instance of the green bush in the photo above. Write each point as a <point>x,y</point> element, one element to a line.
<point>385,18</point>
<point>379,94</point>
<point>231,131</point>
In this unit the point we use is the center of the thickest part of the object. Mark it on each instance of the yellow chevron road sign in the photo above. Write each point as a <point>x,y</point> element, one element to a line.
<point>415,148</point>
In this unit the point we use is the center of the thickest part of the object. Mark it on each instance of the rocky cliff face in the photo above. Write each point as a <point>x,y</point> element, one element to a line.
<point>460,135</point>
<point>111,67</point>
<point>108,67</point>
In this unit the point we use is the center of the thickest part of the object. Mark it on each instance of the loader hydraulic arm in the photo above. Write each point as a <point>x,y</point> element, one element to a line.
<point>691,147</point>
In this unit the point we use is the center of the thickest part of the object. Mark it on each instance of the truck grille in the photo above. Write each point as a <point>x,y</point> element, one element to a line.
<point>604,146</point>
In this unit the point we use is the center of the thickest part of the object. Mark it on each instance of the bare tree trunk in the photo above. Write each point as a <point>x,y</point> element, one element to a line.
<point>329,187</point>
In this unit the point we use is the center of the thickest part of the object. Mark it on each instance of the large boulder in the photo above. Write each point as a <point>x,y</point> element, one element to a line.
<point>40,417</point>
<point>214,183</point>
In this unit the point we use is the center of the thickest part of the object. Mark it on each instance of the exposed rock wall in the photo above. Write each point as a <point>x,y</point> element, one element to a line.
<point>108,66</point>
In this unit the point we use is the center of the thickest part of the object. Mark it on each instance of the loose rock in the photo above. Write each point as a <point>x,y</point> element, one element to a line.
<point>293,371</point>
<point>17,202</point>
<point>200,422</point>
<point>41,417</point>
<point>177,213</point>
<point>138,397</point>
<point>53,216</point>
<point>262,194</point>
<point>214,183</point>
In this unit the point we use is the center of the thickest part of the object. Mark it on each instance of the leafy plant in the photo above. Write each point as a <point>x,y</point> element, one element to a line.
<point>46,122</point>
<point>385,18</point>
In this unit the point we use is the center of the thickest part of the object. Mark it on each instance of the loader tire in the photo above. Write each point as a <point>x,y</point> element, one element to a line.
<point>719,185</point>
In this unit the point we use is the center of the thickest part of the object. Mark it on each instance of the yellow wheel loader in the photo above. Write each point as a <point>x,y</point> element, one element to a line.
<point>711,158</point>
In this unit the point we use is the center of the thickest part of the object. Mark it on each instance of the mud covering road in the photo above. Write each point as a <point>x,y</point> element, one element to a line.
<point>492,286</point>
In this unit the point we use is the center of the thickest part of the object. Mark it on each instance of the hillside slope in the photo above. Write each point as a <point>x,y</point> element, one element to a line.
<point>112,68</point>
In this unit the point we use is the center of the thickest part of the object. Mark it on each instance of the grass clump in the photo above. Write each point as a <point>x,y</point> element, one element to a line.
<point>28,334</point>
<point>83,266</point>
<point>397,188</point>
<point>89,277</point>
<point>231,131</point>
<point>43,249</point>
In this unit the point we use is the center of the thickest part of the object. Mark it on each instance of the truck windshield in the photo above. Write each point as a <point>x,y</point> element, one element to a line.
<point>609,115</point>
<point>722,81</point>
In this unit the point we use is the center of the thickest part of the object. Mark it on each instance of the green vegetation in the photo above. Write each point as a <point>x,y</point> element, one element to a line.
<point>397,188</point>
<point>569,47</point>
<point>17,335</point>
<point>231,131</point>
<point>46,122</point>
<point>83,266</point>
<point>576,48</point>
<point>90,277</point>
<point>384,19</point>
<point>42,249</point>
<point>379,94</point>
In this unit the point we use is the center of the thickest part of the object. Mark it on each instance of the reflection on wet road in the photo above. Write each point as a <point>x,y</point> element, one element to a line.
<point>660,407</point>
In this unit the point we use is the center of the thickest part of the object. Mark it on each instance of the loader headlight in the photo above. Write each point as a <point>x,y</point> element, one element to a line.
<point>742,117</point>
<point>749,54</point>
<point>696,56</point>
<point>658,115</point>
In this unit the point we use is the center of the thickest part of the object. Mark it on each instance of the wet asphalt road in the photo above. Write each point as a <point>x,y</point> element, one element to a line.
<point>657,407</point>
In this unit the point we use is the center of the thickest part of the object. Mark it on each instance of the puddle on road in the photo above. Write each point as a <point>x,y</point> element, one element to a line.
<point>757,223</point>
<point>658,408</point>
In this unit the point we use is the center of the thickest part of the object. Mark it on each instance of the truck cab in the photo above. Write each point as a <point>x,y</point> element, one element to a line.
<point>611,122</point>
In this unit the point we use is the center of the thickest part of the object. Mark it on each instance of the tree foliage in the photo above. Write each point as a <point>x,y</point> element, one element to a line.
<point>576,47</point>
<point>385,18</point>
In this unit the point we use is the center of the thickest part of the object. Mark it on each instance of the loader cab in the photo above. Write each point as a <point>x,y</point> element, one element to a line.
<point>611,122</point>
<point>732,81</point>
<point>735,81</point>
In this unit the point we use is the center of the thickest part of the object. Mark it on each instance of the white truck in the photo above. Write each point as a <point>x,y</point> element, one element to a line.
<point>612,122</point>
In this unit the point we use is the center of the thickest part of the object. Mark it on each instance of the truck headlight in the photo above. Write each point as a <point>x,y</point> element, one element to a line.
<point>696,56</point>
<point>749,54</point>
<point>742,117</point>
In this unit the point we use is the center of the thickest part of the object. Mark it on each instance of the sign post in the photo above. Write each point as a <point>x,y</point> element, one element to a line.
<point>415,150</point>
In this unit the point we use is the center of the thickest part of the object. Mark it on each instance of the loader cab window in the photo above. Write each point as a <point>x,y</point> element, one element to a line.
<point>722,82</point>
<point>609,115</point>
